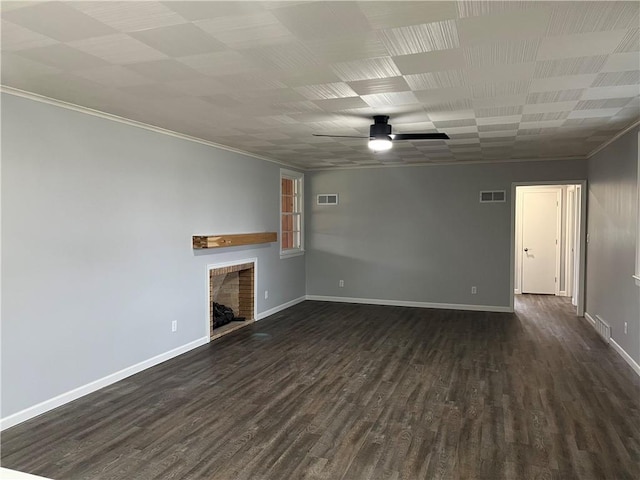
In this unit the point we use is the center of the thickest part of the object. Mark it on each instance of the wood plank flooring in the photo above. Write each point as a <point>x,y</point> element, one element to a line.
<point>335,391</point>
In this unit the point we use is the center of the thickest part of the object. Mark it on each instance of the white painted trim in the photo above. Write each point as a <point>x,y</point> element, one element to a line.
<point>91,387</point>
<point>611,140</point>
<point>516,291</point>
<point>231,263</point>
<point>626,357</point>
<point>115,118</point>
<point>590,319</point>
<point>406,303</point>
<point>281,307</point>
<point>562,293</point>
<point>637,279</point>
<point>582,236</point>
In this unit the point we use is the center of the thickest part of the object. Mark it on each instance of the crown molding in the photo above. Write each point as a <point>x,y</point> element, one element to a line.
<point>613,139</point>
<point>453,163</point>
<point>115,118</point>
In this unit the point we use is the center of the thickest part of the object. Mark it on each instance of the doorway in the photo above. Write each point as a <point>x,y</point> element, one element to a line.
<point>548,237</point>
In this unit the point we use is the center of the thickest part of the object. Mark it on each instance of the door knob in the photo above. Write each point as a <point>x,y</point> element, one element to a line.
<point>526,249</point>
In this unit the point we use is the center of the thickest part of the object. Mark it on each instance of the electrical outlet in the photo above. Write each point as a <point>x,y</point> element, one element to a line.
<point>625,328</point>
<point>266,294</point>
<point>341,283</point>
<point>174,325</point>
<point>474,290</point>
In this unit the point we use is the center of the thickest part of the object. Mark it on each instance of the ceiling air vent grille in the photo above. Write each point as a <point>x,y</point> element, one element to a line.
<point>327,199</point>
<point>494,196</point>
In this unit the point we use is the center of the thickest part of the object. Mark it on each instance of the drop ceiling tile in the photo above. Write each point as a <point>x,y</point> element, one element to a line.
<point>179,40</point>
<point>542,117</point>
<point>379,85</point>
<point>315,20</point>
<point>309,76</point>
<point>383,15</point>
<point>200,10</point>
<point>603,103</point>
<point>165,70</point>
<point>290,58</point>
<point>505,52</point>
<point>610,92</point>
<point>384,99</point>
<point>338,104</point>
<point>63,23</point>
<point>500,73</point>
<point>227,62</point>
<point>500,89</point>
<point>497,120</point>
<point>431,61</point>
<point>63,57</point>
<point>249,81</point>
<point>347,47</point>
<point>440,95</point>
<point>420,38</point>
<point>152,91</point>
<point>251,30</point>
<point>617,79</point>
<point>542,124</point>
<point>484,109</point>
<point>130,16</point>
<point>113,76</point>
<point>465,122</point>
<point>555,96</point>
<point>630,42</point>
<point>326,91</point>
<point>515,25</point>
<point>569,66</point>
<point>430,80</point>
<point>580,45</point>
<point>366,69</point>
<point>622,62</point>
<point>16,68</point>
<point>566,82</point>
<point>119,49</point>
<point>574,17</point>
<point>457,115</point>
<point>198,87</point>
<point>594,113</point>
<point>549,107</point>
<point>15,37</point>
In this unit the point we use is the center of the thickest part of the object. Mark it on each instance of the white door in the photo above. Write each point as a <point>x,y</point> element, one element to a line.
<point>539,241</point>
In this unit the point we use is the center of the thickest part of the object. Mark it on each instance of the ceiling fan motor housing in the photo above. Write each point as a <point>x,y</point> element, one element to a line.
<point>380,128</point>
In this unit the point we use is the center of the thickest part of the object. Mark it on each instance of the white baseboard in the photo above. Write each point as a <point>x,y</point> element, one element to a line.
<point>6,474</point>
<point>279,308</point>
<point>517,291</point>
<point>619,350</point>
<point>76,393</point>
<point>405,303</point>
<point>627,358</point>
<point>562,293</point>
<point>591,320</point>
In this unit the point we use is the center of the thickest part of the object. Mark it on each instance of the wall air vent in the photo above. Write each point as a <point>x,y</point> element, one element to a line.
<point>495,196</point>
<point>327,199</point>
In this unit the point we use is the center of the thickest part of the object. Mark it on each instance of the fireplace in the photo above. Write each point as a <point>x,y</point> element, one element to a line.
<point>231,285</point>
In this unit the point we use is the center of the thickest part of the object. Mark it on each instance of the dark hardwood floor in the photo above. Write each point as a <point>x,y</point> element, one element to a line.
<point>337,391</point>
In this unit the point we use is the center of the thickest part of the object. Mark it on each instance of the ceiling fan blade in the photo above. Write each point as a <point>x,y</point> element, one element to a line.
<point>339,136</point>
<point>420,136</point>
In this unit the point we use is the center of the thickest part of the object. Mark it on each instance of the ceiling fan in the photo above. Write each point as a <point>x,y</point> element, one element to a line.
<point>381,138</point>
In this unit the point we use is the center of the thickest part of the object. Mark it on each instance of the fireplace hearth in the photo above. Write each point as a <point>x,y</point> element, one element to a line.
<point>231,297</point>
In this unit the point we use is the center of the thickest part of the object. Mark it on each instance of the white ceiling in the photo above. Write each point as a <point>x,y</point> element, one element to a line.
<point>506,80</point>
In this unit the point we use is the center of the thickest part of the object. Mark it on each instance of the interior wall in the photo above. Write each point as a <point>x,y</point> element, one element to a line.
<point>97,220</point>
<point>419,234</point>
<point>612,214</point>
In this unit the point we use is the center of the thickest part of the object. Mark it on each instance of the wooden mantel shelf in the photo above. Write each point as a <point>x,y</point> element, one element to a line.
<point>233,240</point>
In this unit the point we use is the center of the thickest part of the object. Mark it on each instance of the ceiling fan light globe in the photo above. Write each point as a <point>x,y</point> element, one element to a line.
<point>380,144</point>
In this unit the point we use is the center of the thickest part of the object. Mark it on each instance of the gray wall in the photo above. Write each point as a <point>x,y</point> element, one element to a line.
<point>97,219</point>
<point>418,233</point>
<point>611,224</point>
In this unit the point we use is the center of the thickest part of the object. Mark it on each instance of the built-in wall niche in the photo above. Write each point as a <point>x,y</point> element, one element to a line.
<point>231,287</point>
